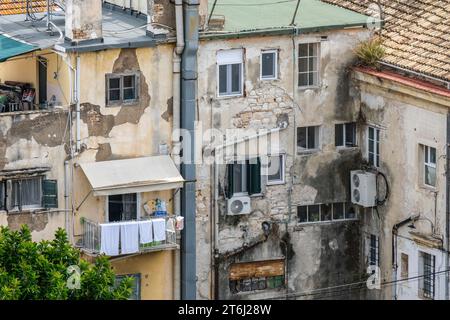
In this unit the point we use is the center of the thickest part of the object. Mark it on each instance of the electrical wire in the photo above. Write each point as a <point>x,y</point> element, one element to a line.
<point>383,284</point>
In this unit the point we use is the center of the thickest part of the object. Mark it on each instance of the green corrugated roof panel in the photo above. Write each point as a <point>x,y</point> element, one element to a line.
<point>254,15</point>
<point>10,48</point>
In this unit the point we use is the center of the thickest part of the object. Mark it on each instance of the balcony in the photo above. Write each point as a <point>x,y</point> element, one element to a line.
<point>91,241</point>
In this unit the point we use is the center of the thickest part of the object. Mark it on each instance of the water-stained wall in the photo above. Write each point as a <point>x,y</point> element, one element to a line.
<point>319,254</point>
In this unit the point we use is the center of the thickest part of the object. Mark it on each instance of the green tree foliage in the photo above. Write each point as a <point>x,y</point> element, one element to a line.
<point>40,271</point>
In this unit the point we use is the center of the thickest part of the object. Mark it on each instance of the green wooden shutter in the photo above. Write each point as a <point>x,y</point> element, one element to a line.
<point>230,176</point>
<point>254,176</point>
<point>49,193</point>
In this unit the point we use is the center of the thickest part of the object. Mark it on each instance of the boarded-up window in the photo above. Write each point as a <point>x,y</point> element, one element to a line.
<point>404,266</point>
<point>259,275</point>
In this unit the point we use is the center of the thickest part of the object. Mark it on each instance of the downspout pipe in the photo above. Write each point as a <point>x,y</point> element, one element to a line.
<point>78,102</point>
<point>447,212</point>
<point>176,87</point>
<point>394,250</point>
<point>188,169</point>
<point>67,207</point>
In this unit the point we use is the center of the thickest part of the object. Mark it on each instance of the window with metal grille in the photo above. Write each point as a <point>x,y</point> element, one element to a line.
<point>374,250</point>
<point>427,269</point>
<point>258,275</point>
<point>308,64</point>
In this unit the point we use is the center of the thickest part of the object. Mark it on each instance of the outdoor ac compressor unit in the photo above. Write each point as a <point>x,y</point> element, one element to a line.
<point>363,188</point>
<point>238,206</point>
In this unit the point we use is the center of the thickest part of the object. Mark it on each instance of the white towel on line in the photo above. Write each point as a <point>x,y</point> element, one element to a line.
<point>109,244</point>
<point>159,229</point>
<point>145,231</point>
<point>129,237</point>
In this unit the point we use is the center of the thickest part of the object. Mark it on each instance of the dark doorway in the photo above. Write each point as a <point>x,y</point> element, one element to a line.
<point>122,207</point>
<point>42,70</point>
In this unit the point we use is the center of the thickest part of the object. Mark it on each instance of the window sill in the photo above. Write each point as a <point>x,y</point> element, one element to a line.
<point>342,148</point>
<point>25,210</point>
<point>306,224</point>
<point>269,79</point>
<point>224,97</point>
<point>308,88</point>
<point>425,187</point>
<point>307,152</point>
<point>275,183</point>
<point>122,104</point>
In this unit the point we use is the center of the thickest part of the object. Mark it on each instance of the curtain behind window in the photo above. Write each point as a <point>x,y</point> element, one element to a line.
<point>129,207</point>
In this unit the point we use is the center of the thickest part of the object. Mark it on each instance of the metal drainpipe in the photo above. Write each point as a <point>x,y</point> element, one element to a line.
<point>188,170</point>
<point>78,101</point>
<point>447,211</point>
<point>66,199</point>
<point>176,126</point>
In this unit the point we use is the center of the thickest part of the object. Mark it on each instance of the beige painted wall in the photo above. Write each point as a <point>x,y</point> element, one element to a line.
<point>155,270</point>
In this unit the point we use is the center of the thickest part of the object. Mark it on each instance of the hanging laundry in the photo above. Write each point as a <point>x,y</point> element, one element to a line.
<point>129,237</point>
<point>159,229</point>
<point>109,239</point>
<point>146,231</point>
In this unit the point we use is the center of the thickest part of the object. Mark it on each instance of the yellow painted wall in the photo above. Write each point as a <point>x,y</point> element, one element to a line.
<point>25,69</point>
<point>156,271</point>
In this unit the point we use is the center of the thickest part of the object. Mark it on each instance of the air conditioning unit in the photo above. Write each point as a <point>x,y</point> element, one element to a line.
<point>238,206</point>
<point>363,188</point>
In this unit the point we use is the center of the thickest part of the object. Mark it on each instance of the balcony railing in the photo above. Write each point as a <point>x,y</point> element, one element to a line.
<point>91,238</point>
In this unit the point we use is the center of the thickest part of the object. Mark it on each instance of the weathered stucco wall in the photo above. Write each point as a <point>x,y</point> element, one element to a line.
<point>321,254</point>
<point>407,118</point>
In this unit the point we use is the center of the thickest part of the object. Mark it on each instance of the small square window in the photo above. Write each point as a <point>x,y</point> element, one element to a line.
<point>269,65</point>
<point>121,88</point>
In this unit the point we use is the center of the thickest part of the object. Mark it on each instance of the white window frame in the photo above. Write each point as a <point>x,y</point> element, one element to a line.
<point>426,150</point>
<point>138,206</point>
<point>332,213</point>
<point>228,64</point>
<point>244,169</point>
<point>275,77</point>
<point>376,142</point>
<point>281,156</point>
<point>316,85</point>
<point>319,140</point>
<point>344,128</point>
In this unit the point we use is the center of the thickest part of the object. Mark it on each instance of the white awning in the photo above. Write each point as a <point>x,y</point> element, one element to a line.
<point>132,175</point>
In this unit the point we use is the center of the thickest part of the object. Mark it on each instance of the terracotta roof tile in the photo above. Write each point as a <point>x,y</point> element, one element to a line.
<point>9,7</point>
<point>416,33</point>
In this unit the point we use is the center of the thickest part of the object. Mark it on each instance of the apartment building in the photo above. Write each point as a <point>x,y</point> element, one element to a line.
<point>86,117</point>
<point>404,105</point>
<point>274,212</point>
